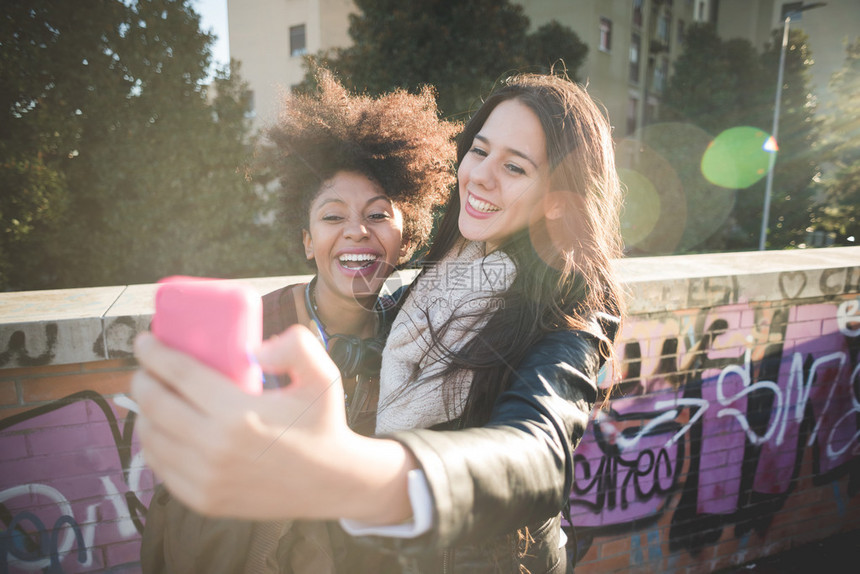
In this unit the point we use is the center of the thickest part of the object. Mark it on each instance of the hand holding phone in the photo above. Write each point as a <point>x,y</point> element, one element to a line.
<point>219,322</point>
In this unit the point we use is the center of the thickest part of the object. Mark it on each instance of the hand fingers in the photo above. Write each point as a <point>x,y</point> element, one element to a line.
<point>190,451</point>
<point>199,386</point>
<point>164,409</point>
<point>315,380</point>
<point>178,467</point>
<point>203,436</point>
<point>298,353</point>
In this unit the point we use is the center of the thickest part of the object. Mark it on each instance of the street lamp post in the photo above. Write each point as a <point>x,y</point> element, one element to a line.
<point>775,131</point>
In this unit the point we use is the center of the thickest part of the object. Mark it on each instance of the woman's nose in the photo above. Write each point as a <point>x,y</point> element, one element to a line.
<point>356,229</point>
<point>482,173</point>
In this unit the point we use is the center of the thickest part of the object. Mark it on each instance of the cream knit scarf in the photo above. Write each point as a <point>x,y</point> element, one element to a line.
<point>412,393</point>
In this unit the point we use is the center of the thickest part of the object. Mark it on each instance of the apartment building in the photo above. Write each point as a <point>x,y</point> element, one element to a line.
<point>269,38</point>
<point>632,44</point>
<point>830,25</point>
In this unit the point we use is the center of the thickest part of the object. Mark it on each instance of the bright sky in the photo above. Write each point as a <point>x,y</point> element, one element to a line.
<point>213,15</point>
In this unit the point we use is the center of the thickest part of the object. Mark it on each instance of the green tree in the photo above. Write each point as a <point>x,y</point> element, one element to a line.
<point>717,85</point>
<point>705,84</point>
<point>553,43</point>
<point>839,211</point>
<point>712,88</point>
<point>797,163</point>
<point>461,48</point>
<point>125,170</point>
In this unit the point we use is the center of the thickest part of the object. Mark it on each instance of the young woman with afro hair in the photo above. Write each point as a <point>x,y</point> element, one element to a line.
<point>360,178</point>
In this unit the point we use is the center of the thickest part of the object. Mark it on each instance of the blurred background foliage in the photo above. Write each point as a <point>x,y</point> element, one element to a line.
<point>121,162</point>
<point>118,164</point>
<point>720,84</point>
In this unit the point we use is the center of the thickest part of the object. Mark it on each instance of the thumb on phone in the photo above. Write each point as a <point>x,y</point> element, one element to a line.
<point>298,353</point>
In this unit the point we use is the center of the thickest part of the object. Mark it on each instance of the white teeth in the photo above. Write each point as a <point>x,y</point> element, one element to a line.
<point>482,206</point>
<point>358,257</point>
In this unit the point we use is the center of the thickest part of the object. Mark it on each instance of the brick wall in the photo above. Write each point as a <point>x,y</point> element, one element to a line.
<point>736,433</point>
<point>72,475</point>
<point>73,486</point>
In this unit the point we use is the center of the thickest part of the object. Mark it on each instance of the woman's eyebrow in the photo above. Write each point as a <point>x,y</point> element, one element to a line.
<point>338,200</point>
<point>331,200</point>
<point>377,198</point>
<point>509,150</point>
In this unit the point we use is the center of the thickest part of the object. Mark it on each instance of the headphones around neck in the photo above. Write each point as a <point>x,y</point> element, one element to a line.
<point>352,355</point>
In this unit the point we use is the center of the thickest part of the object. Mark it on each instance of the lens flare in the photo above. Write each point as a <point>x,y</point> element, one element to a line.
<point>738,157</point>
<point>770,145</point>
<point>641,207</point>
<point>662,172</point>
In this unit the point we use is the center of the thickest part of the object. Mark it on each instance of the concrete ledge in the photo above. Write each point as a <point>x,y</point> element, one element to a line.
<point>694,281</point>
<point>57,327</point>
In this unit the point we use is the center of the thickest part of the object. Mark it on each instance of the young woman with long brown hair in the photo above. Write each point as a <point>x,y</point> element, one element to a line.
<point>488,377</point>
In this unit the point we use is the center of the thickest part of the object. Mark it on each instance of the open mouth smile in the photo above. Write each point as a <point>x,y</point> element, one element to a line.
<point>357,261</point>
<point>481,206</point>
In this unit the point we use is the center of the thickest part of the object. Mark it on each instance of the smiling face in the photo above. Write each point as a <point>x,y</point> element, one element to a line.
<point>505,175</point>
<point>354,236</point>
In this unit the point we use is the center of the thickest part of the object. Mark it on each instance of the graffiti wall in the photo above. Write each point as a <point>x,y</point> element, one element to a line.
<point>74,489</point>
<point>734,434</point>
<point>726,413</point>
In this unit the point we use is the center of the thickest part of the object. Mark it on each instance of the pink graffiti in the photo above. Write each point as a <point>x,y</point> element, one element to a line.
<point>73,483</point>
<point>811,401</point>
<point>625,469</point>
<point>814,375</point>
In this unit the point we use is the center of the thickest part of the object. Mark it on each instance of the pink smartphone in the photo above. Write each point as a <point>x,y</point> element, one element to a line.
<point>220,322</point>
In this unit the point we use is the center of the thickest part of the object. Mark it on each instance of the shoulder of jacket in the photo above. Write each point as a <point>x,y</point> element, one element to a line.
<point>562,346</point>
<point>580,348</point>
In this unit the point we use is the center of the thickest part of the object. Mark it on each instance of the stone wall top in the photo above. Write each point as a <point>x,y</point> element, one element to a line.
<point>82,325</point>
<point>694,281</point>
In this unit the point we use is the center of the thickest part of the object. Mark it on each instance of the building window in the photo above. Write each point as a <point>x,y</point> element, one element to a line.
<point>661,73</point>
<point>298,40</point>
<point>251,110</point>
<point>663,26</point>
<point>635,47</point>
<point>637,13</point>
<point>679,36</point>
<point>650,114</point>
<point>605,35</point>
<point>701,17</point>
<point>632,114</point>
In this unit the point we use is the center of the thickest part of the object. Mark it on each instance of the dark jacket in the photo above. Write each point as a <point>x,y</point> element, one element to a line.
<point>499,489</point>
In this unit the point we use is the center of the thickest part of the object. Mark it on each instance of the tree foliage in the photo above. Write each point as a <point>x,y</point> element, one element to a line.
<point>461,48</point>
<point>718,84</point>
<point>839,212</point>
<point>117,167</point>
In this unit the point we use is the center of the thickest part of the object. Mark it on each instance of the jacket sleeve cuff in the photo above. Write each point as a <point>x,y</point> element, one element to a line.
<point>422,513</point>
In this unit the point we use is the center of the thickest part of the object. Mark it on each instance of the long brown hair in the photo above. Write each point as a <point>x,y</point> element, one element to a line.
<point>564,265</point>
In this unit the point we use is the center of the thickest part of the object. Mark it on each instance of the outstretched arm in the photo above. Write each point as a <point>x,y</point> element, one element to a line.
<point>287,453</point>
<point>518,469</point>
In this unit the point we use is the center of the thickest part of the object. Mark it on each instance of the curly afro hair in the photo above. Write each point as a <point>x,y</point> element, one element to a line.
<point>396,140</point>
